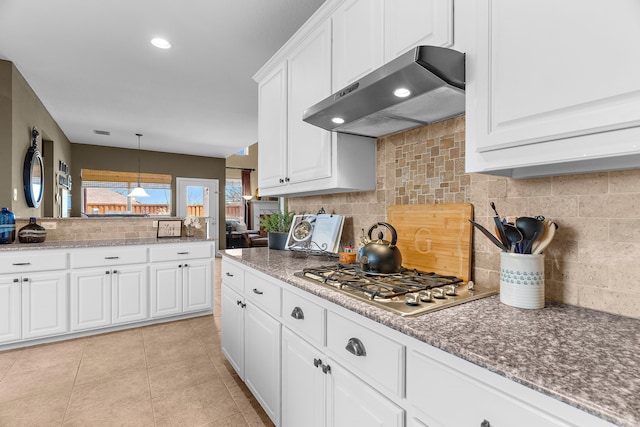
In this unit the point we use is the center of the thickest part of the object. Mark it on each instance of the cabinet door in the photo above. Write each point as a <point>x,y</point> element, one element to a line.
<point>411,23</point>
<point>303,383</point>
<point>262,359</point>
<point>351,402</point>
<point>272,128</point>
<point>233,328</point>
<point>44,304</point>
<point>90,299</point>
<point>197,285</point>
<point>357,41</point>
<point>9,308</point>
<point>550,87</point>
<point>166,289</point>
<point>309,73</point>
<point>130,294</point>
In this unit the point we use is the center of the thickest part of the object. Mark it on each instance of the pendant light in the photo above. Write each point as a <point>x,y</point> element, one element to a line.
<point>138,191</point>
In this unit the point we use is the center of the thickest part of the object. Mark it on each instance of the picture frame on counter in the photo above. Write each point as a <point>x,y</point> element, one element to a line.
<point>169,228</point>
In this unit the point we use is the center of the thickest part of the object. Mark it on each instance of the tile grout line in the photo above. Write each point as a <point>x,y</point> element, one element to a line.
<point>75,378</point>
<point>146,366</point>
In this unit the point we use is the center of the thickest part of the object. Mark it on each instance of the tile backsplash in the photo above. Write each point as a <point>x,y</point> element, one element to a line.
<point>592,262</point>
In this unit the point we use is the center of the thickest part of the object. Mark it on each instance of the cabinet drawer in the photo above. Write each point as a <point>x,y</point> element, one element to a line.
<point>182,251</point>
<point>115,255</point>
<point>304,317</point>
<point>25,262</point>
<point>367,351</point>
<point>233,275</point>
<point>263,293</point>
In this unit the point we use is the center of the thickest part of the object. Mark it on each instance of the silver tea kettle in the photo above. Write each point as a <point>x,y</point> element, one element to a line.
<point>381,256</point>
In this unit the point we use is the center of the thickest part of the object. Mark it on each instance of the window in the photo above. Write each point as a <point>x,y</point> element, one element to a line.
<point>233,200</point>
<point>105,193</point>
<point>243,152</point>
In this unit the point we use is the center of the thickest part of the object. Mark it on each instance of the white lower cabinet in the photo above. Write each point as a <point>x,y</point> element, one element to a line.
<point>318,391</point>
<point>33,305</point>
<point>179,287</point>
<point>251,343</point>
<point>129,295</point>
<point>44,304</point>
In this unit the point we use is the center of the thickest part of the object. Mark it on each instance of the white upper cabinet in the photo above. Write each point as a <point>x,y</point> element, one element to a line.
<point>553,87</point>
<point>357,41</point>
<point>309,78</point>
<point>411,23</point>
<point>272,128</point>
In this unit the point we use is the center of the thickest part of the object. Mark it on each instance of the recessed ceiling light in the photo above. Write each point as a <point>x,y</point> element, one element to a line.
<point>402,92</point>
<point>160,43</point>
<point>338,120</point>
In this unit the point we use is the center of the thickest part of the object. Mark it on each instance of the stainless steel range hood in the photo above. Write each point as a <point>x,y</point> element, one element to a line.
<point>433,82</point>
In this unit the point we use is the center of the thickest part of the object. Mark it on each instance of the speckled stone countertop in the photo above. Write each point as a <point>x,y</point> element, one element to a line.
<point>69,244</point>
<point>586,358</point>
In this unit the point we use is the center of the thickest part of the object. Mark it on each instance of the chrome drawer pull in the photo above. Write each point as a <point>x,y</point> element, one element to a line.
<point>21,263</point>
<point>297,313</point>
<point>183,253</point>
<point>229,274</point>
<point>355,347</point>
<point>255,291</point>
<point>112,257</point>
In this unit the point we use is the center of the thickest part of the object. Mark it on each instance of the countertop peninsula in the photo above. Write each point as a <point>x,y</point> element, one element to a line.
<point>585,358</point>
<point>70,244</point>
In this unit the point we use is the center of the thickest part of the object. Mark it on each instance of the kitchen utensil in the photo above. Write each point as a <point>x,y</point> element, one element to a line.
<point>499,227</point>
<point>545,240</point>
<point>514,236</point>
<point>434,237</point>
<point>528,227</point>
<point>527,248</point>
<point>491,237</point>
<point>381,256</point>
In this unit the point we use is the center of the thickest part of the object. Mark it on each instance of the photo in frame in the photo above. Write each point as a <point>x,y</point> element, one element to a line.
<point>169,228</point>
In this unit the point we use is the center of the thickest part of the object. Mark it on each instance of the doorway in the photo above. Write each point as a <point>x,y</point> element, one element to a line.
<point>199,197</point>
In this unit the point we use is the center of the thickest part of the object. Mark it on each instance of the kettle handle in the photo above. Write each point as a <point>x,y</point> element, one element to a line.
<point>394,235</point>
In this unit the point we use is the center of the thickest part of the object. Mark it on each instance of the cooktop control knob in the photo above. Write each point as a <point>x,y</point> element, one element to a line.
<point>411,299</point>
<point>438,293</point>
<point>450,290</point>
<point>426,296</point>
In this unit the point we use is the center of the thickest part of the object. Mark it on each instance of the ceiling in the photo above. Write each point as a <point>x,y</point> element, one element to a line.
<point>93,67</point>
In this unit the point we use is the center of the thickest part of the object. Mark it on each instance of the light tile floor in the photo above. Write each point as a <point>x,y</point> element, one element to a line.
<point>171,374</point>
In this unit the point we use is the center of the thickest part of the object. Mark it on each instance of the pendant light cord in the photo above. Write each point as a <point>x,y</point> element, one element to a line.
<point>139,135</point>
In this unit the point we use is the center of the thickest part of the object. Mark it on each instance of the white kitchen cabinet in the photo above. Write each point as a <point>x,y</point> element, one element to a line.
<point>44,304</point>
<point>184,283</point>
<point>130,294</point>
<point>562,100</point>
<point>272,128</point>
<point>357,41</point>
<point>318,391</point>
<point>411,23</point>
<point>251,336</point>
<point>434,376</point>
<point>297,158</point>
<point>90,299</point>
<point>9,308</point>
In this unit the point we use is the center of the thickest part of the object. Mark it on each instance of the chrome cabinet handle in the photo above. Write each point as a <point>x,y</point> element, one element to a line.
<point>297,313</point>
<point>317,362</point>
<point>326,369</point>
<point>256,291</point>
<point>115,271</point>
<point>229,274</point>
<point>355,347</point>
<point>25,279</point>
<point>16,280</point>
<point>112,257</point>
<point>21,263</point>
<point>183,253</point>
<point>485,423</point>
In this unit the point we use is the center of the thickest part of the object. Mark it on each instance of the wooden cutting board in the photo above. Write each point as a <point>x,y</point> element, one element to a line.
<point>434,237</point>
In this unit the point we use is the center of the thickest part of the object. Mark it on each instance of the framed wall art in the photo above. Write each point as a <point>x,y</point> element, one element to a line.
<point>169,227</point>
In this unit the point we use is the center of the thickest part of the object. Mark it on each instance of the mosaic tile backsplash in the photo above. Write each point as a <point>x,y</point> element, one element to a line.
<point>594,260</point>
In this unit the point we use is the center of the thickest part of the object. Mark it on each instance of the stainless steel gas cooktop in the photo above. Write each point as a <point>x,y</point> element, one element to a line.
<point>407,292</point>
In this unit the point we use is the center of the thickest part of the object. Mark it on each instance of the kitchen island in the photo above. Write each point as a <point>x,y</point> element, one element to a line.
<point>584,358</point>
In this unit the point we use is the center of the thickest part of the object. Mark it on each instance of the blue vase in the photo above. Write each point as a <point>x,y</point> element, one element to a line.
<point>7,226</point>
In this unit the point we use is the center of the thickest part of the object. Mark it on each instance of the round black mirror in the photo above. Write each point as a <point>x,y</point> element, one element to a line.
<point>33,173</point>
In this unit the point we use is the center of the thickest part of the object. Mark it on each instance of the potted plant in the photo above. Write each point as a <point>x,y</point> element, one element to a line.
<point>277,226</point>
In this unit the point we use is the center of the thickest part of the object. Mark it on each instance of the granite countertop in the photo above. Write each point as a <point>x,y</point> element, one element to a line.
<point>585,358</point>
<point>70,244</point>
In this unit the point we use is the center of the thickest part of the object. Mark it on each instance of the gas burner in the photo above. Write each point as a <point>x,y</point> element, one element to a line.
<point>408,292</point>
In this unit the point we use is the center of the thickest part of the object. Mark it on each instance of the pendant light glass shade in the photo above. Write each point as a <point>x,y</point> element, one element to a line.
<point>138,191</point>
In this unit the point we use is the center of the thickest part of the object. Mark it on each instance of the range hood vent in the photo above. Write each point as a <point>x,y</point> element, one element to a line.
<point>433,80</point>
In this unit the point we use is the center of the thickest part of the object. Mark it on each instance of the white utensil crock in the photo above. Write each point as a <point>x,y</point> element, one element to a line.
<point>522,280</point>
